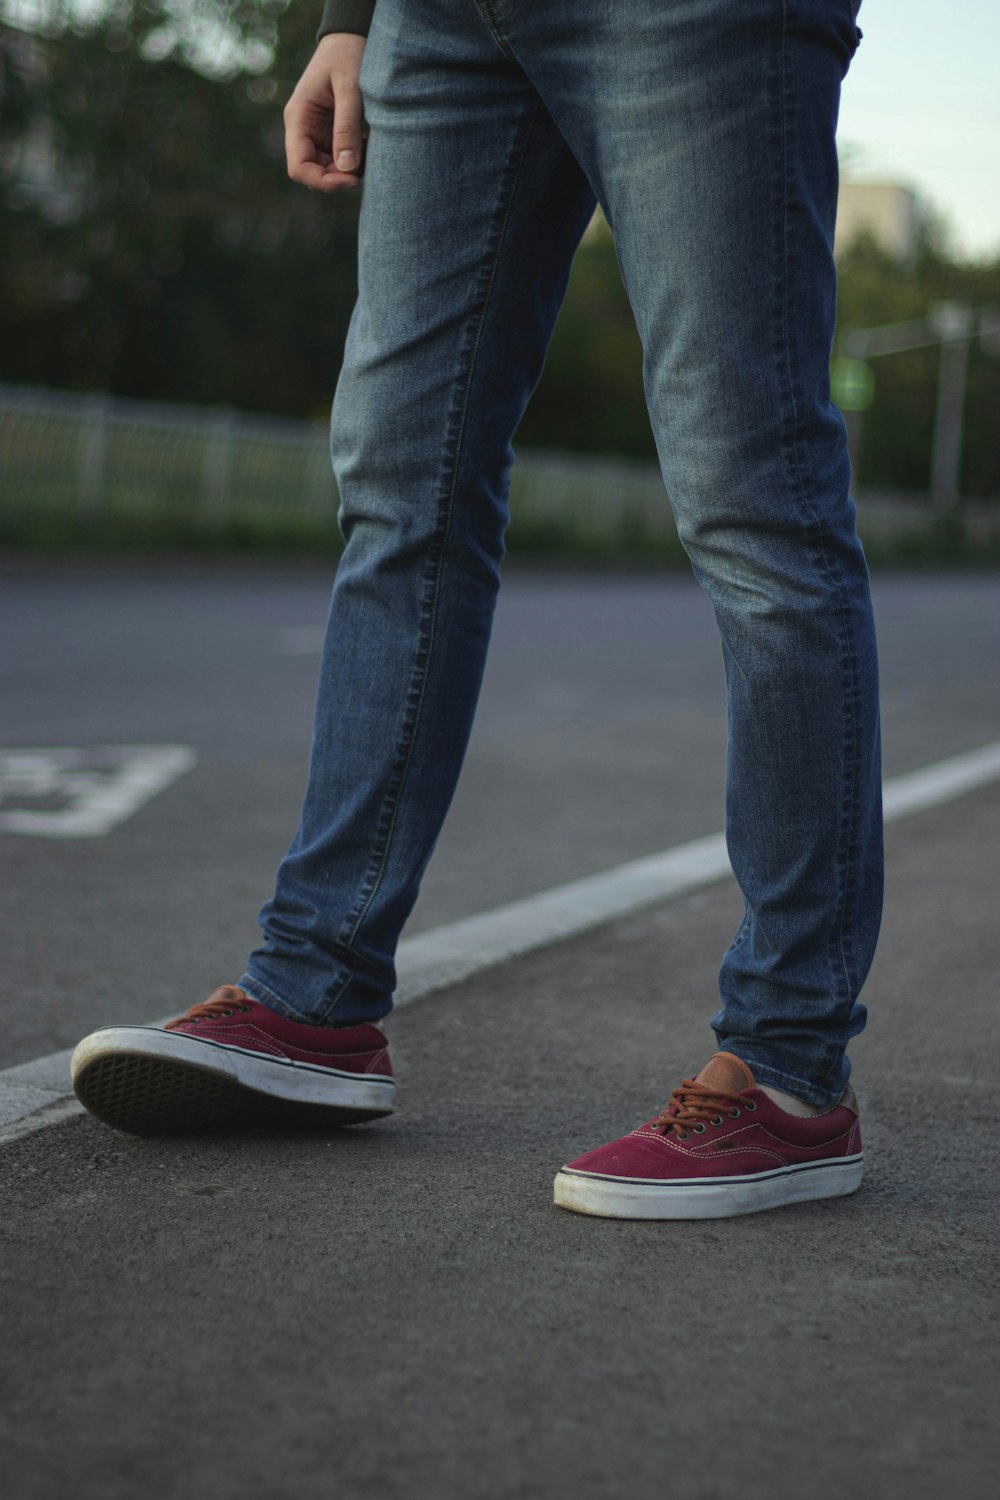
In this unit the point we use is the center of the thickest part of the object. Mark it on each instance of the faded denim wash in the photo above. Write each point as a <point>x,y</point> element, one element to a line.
<point>705,128</point>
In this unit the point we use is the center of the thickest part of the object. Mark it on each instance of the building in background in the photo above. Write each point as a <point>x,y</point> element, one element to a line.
<point>885,210</point>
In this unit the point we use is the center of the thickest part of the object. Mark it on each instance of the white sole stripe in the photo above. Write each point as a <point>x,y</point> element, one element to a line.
<point>446,955</point>
<point>770,1175</point>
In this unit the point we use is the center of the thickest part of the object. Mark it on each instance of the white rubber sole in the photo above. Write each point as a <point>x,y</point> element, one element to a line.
<point>707,1197</point>
<point>150,1081</point>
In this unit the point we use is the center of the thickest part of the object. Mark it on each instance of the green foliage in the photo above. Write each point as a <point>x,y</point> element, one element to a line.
<point>150,242</point>
<point>590,397</point>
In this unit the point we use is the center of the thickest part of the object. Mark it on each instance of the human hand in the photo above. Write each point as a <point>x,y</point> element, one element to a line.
<point>325,117</point>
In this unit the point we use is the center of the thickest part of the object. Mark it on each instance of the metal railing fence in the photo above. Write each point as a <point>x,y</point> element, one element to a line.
<point>97,457</point>
<point>78,463</point>
<point>98,470</point>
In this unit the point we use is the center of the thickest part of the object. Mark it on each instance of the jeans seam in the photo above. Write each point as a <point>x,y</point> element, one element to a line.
<point>841,972</point>
<point>489,12</point>
<point>436,561</point>
<point>741,934</point>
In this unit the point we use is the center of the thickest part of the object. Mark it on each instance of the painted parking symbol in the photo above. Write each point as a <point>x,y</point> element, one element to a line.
<point>65,792</point>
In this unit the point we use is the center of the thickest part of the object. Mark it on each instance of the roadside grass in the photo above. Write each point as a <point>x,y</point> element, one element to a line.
<point>262,531</point>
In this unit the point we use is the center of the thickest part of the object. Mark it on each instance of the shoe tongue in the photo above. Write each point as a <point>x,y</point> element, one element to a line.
<point>726,1073</point>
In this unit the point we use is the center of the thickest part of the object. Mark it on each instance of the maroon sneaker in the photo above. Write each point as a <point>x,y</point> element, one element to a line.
<point>232,1062</point>
<point>721,1147</point>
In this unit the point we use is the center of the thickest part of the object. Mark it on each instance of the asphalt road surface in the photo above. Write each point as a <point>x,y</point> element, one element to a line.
<point>398,1309</point>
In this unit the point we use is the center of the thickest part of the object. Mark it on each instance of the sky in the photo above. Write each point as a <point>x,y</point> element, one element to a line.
<point>921,106</point>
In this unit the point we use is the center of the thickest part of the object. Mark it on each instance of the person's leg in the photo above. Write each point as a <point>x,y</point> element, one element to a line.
<point>707,130</point>
<point>472,208</point>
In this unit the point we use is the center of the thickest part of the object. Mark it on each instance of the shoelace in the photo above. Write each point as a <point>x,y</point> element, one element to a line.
<point>693,1108</point>
<point>208,1010</point>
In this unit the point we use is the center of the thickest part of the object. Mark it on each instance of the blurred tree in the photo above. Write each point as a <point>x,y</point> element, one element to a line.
<point>152,244</point>
<point>591,395</point>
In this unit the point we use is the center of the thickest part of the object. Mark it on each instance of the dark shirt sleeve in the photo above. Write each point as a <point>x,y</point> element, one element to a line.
<point>346,15</point>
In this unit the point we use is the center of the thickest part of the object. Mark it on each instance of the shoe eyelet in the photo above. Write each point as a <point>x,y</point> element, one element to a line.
<point>735,1112</point>
<point>699,1129</point>
<point>716,1120</point>
<point>226,1012</point>
<point>682,1135</point>
<point>750,1106</point>
<point>245,1008</point>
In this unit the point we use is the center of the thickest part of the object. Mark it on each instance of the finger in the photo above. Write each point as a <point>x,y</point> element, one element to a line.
<point>306,135</point>
<point>314,169</point>
<point>309,163</point>
<point>348,117</point>
<point>325,178</point>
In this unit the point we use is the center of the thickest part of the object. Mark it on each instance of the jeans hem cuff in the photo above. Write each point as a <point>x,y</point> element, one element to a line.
<point>264,996</point>
<point>774,1078</point>
<point>328,1019</point>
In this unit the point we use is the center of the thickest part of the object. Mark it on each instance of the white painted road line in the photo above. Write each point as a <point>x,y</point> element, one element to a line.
<point>445,955</point>
<point>35,1094</point>
<point>448,954</point>
<point>94,789</point>
<point>941,782</point>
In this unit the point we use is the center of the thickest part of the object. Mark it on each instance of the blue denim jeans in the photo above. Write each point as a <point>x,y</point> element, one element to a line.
<point>705,129</point>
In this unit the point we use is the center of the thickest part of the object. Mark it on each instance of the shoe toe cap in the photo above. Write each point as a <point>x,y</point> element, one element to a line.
<point>638,1155</point>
